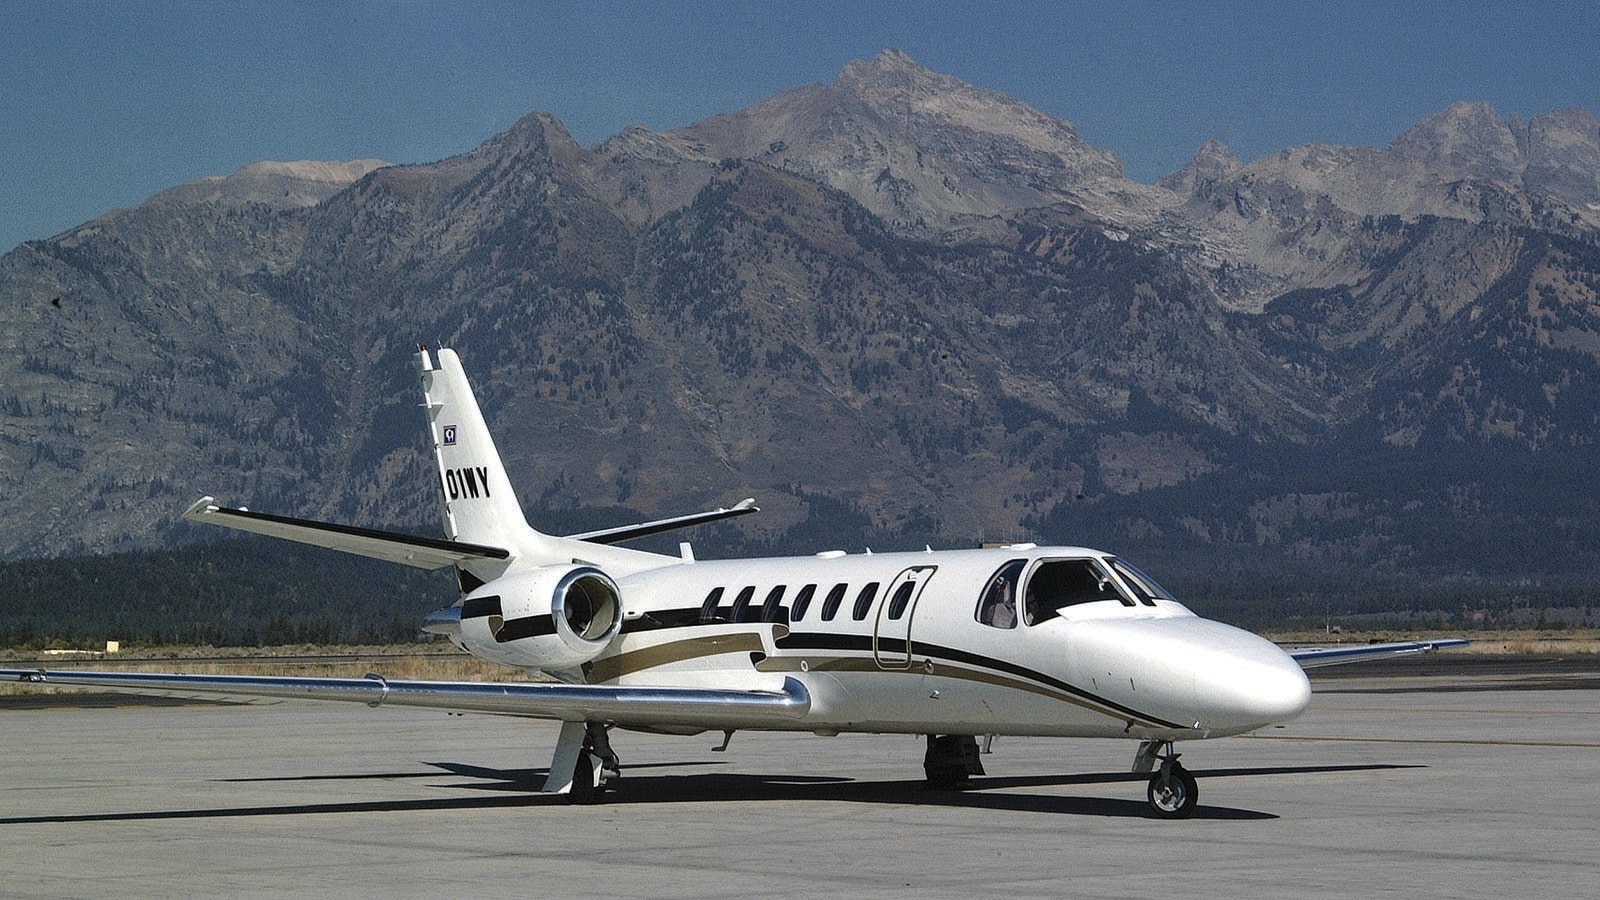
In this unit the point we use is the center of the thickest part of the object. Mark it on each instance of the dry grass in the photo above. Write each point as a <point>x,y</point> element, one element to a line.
<point>431,662</point>
<point>1519,642</point>
<point>443,662</point>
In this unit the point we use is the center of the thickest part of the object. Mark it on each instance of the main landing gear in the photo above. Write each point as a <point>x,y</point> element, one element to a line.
<point>951,761</point>
<point>1172,792</point>
<point>584,766</point>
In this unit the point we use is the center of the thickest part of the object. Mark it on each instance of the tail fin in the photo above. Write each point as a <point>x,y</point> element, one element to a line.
<point>480,506</point>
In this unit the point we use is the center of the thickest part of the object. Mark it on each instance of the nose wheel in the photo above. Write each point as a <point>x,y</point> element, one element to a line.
<point>1173,792</point>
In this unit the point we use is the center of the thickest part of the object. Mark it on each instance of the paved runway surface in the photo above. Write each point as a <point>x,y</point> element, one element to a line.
<point>1409,787</point>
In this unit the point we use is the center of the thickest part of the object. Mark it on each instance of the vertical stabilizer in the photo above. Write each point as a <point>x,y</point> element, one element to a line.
<point>480,506</point>
<point>478,503</point>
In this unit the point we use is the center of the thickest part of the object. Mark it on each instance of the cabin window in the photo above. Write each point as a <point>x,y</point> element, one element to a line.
<point>741,603</point>
<point>1059,583</point>
<point>830,603</point>
<point>708,609</point>
<point>997,607</point>
<point>902,597</point>
<point>802,601</point>
<point>772,607</point>
<point>1143,586</point>
<point>864,601</point>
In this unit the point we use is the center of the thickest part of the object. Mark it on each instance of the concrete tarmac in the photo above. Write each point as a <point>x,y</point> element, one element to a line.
<point>1409,787</point>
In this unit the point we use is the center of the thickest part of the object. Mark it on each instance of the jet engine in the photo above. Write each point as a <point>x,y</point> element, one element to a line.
<point>550,618</point>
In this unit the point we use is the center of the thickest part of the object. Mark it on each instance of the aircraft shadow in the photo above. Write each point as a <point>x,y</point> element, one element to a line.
<point>509,788</point>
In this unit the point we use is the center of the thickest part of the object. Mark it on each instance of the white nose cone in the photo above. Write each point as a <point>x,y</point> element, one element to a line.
<point>1192,672</point>
<point>1249,684</point>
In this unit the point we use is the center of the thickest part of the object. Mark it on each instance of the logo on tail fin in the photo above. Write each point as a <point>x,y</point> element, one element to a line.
<point>449,435</point>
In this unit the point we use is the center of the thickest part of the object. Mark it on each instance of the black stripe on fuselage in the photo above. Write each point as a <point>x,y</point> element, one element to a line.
<point>657,619</point>
<point>686,617</point>
<point>862,643</point>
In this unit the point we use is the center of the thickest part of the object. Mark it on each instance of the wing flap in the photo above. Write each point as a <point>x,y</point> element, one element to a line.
<point>1312,657</point>
<point>634,706</point>
<point>423,553</point>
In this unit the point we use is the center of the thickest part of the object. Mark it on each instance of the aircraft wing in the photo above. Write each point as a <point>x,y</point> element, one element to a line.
<point>1312,657</point>
<point>627,706</point>
<point>424,553</point>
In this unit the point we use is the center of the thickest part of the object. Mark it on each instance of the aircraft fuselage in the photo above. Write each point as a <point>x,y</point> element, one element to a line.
<point>904,642</point>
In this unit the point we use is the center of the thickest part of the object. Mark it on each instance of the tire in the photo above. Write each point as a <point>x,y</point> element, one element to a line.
<point>1177,799</point>
<point>948,778</point>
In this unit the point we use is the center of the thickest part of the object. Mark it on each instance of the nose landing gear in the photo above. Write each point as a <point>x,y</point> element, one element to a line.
<point>1172,792</point>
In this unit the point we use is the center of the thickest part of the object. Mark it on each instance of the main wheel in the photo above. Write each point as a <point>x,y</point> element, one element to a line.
<point>1175,799</point>
<point>948,778</point>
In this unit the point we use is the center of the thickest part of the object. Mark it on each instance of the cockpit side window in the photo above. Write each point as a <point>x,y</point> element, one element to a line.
<point>1057,584</point>
<point>997,607</point>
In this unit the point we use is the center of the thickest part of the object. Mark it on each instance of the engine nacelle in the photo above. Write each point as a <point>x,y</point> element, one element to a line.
<point>552,617</point>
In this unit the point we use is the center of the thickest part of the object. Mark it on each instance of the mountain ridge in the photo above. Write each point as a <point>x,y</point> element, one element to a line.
<point>932,311</point>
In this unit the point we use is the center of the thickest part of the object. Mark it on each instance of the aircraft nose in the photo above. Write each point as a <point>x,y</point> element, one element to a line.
<point>1250,685</point>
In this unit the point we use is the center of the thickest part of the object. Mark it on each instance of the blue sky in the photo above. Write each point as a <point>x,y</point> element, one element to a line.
<point>106,103</point>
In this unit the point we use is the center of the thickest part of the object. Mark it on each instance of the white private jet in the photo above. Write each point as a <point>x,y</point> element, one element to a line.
<point>1015,640</point>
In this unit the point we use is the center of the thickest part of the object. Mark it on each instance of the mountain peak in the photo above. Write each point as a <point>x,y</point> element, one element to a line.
<point>1463,139</point>
<point>915,146</point>
<point>887,61</point>
<point>536,129</point>
<point>892,70</point>
<point>1213,162</point>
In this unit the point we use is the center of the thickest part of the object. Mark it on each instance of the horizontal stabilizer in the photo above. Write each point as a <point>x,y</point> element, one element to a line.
<point>644,529</point>
<point>424,553</point>
<point>630,706</point>
<point>1312,657</point>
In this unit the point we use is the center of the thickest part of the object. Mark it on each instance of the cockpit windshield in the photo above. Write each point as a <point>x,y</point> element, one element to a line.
<point>1056,584</point>
<point>1146,588</point>
<point>1052,585</point>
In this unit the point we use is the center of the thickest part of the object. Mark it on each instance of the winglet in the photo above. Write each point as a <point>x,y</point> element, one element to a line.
<point>201,507</point>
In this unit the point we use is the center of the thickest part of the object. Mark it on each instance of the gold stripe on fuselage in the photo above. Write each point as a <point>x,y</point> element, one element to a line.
<point>633,662</point>
<point>959,673</point>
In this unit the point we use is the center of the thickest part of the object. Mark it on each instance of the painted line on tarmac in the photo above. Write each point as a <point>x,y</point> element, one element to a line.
<point>1462,741</point>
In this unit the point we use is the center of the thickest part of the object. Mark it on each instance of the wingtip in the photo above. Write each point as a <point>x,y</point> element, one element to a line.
<point>201,507</point>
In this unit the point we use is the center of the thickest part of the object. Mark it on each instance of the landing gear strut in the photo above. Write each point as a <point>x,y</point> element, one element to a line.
<point>1173,792</point>
<point>584,766</point>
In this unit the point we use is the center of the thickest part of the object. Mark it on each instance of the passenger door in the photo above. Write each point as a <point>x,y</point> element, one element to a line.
<point>891,640</point>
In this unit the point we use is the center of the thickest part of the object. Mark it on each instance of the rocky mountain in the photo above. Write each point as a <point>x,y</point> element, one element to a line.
<point>896,308</point>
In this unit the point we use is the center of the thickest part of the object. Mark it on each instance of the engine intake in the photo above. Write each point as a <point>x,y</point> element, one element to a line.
<point>552,617</point>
